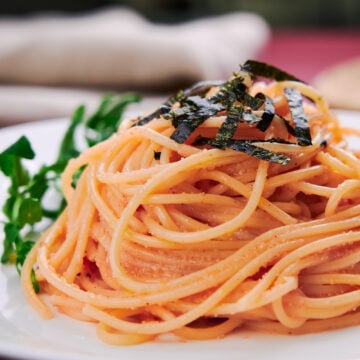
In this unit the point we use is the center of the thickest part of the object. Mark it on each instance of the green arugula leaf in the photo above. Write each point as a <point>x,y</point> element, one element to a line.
<point>106,120</point>
<point>6,164</point>
<point>8,206</point>
<point>24,206</point>
<point>21,148</point>
<point>22,249</point>
<point>68,147</point>
<point>30,212</point>
<point>11,166</point>
<point>37,188</point>
<point>11,232</point>
<point>34,282</point>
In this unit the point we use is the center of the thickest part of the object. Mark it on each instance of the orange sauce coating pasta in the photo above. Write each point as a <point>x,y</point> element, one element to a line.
<point>200,241</point>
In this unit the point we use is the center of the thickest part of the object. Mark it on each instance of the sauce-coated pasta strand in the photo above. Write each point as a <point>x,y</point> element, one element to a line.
<point>226,210</point>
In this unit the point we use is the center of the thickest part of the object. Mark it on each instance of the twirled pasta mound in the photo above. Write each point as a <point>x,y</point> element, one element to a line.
<point>234,204</point>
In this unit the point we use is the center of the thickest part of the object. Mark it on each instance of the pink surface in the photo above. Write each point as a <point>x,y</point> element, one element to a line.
<point>305,53</point>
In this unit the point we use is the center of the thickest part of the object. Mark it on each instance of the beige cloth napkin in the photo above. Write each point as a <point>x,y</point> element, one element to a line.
<point>119,47</point>
<point>113,48</point>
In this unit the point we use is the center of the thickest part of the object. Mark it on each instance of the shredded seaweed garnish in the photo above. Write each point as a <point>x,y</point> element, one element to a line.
<point>235,90</point>
<point>195,109</point>
<point>268,114</point>
<point>302,130</point>
<point>272,141</point>
<point>262,122</point>
<point>247,147</point>
<point>25,212</point>
<point>201,87</point>
<point>194,112</point>
<point>258,68</point>
<point>258,152</point>
<point>202,140</point>
<point>228,127</point>
<point>163,109</point>
<point>189,108</point>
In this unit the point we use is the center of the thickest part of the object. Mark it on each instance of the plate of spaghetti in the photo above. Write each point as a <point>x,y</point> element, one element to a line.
<point>224,223</point>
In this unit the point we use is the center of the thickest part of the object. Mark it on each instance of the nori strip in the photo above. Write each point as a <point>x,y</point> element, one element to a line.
<point>258,68</point>
<point>197,110</point>
<point>201,141</point>
<point>251,101</point>
<point>250,117</point>
<point>235,90</point>
<point>228,127</point>
<point>302,130</point>
<point>201,87</point>
<point>163,109</point>
<point>268,114</point>
<point>248,148</point>
<point>258,152</point>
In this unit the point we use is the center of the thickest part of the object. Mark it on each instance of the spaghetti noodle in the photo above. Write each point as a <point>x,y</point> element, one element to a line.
<point>190,222</point>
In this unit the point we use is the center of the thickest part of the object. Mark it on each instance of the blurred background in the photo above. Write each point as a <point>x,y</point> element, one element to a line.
<point>279,13</point>
<point>57,54</point>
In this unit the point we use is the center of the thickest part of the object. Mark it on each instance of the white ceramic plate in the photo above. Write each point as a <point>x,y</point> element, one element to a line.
<point>23,335</point>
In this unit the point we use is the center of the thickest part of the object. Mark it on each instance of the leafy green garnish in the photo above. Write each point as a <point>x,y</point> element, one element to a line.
<point>24,206</point>
<point>68,146</point>
<point>106,120</point>
<point>187,110</point>
<point>21,148</point>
